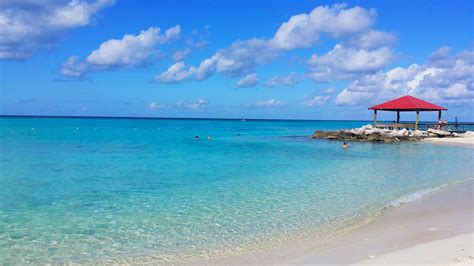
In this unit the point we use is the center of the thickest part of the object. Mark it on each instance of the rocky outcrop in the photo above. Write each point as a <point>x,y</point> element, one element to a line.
<point>369,133</point>
<point>438,133</point>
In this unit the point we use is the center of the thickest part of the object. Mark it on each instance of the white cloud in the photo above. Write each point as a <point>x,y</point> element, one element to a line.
<point>441,57</point>
<point>248,81</point>
<point>175,73</point>
<point>155,106</point>
<point>26,26</point>
<point>316,101</point>
<point>129,51</point>
<point>329,91</point>
<point>73,68</point>
<point>303,30</point>
<point>300,31</point>
<point>196,105</point>
<point>181,54</point>
<point>348,62</point>
<point>445,78</point>
<point>269,103</point>
<point>371,39</point>
<point>278,81</point>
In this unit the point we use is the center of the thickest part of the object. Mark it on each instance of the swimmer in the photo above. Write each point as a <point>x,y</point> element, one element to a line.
<point>345,145</point>
<point>196,138</point>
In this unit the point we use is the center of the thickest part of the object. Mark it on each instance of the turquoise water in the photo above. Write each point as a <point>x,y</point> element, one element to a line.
<point>88,190</point>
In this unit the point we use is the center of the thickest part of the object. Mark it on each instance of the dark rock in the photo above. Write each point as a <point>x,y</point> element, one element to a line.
<point>347,135</point>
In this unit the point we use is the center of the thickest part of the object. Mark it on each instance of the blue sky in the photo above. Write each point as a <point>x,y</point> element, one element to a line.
<point>232,59</point>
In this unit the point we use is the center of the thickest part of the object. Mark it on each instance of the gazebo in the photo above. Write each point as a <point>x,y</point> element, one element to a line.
<point>407,104</point>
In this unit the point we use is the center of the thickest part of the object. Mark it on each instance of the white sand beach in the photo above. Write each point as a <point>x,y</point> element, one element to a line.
<point>456,250</point>
<point>466,142</point>
<point>434,230</point>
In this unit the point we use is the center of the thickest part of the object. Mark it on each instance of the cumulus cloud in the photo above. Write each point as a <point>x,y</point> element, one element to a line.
<point>180,55</point>
<point>175,73</point>
<point>26,26</point>
<point>127,52</point>
<point>348,62</point>
<point>269,103</point>
<point>329,91</point>
<point>443,78</point>
<point>300,31</point>
<point>304,30</point>
<point>155,106</point>
<point>196,105</point>
<point>278,81</point>
<point>441,57</point>
<point>371,39</point>
<point>248,81</point>
<point>316,101</point>
<point>73,67</point>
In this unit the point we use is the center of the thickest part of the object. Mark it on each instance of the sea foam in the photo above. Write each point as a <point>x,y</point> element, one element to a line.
<point>417,195</point>
<point>414,196</point>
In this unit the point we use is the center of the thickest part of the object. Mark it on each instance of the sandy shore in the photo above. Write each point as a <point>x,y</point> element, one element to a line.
<point>437,229</point>
<point>456,250</point>
<point>465,142</point>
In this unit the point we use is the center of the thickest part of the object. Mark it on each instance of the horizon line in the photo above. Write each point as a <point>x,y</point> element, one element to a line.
<point>170,118</point>
<point>191,118</point>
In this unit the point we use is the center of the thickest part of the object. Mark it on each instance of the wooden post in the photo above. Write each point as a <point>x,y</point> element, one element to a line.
<point>375,118</point>
<point>439,123</point>
<point>398,118</point>
<point>417,119</point>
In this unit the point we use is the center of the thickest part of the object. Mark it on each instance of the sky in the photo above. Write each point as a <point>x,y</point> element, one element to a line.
<point>234,59</point>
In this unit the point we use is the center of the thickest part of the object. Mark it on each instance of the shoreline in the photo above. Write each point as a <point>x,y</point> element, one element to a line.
<point>461,142</point>
<point>437,217</point>
<point>408,233</point>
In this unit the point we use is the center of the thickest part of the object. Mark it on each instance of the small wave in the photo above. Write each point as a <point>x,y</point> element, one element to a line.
<point>414,196</point>
<point>417,195</point>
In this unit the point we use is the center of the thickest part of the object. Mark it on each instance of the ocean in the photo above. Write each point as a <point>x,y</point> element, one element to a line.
<point>137,190</point>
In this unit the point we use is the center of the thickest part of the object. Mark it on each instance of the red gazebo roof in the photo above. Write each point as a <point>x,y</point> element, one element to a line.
<point>408,103</point>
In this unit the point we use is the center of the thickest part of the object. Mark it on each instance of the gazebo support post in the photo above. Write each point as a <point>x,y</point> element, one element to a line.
<point>375,118</point>
<point>398,118</point>
<point>439,115</point>
<point>417,119</point>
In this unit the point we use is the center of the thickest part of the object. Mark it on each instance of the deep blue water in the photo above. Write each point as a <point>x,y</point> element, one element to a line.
<point>92,190</point>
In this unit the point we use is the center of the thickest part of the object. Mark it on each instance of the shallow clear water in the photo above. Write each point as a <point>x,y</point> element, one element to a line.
<point>137,189</point>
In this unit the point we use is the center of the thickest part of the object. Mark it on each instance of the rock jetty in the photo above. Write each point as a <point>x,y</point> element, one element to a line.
<point>369,133</point>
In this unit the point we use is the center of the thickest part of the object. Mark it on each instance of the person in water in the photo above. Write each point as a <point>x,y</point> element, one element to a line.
<point>345,145</point>
<point>196,138</point>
